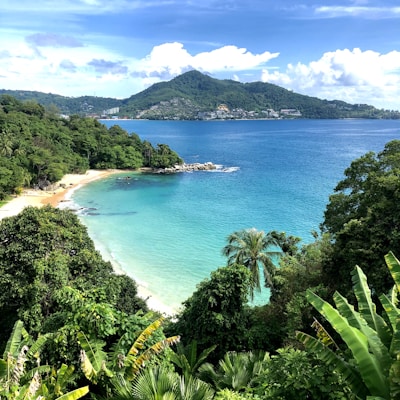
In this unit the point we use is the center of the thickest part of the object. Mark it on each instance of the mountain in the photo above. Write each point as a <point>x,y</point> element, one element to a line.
<point>194,95</point>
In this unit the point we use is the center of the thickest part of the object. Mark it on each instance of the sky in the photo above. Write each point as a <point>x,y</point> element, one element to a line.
<point>332,49</point>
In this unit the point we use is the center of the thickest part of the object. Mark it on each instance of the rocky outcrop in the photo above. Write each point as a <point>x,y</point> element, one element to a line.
<point>207,166</point>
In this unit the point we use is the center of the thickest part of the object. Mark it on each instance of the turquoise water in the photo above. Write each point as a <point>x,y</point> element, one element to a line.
<point>167,232</point>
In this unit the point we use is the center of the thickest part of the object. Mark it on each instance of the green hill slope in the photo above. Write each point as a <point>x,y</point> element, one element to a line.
<point>194,95</point>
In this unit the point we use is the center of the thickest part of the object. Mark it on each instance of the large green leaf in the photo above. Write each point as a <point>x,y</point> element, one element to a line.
<point>369,367</point>
<point>93,358</point>
<point>75,394</point>
<point>391,310</point>
<point>64,375</point>
<point>37,346</point>
<point>394,267</point>
<point>367,308</point>
<point>3,368</point>
<point>379,350</point>
<point>348,372</point>
<point>14,342</point>
<point>395,347</point>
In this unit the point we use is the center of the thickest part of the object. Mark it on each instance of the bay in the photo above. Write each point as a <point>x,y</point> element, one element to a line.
<point>167,231</point>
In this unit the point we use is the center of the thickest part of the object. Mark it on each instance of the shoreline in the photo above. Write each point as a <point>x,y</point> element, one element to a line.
<point>63,190</point>
<point>39,198</point>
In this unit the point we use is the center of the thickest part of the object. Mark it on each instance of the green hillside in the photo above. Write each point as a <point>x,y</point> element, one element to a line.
<point>194,95</point>
<point>83,105</point>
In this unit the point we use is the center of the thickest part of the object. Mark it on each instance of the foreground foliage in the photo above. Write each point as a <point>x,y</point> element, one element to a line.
<point>19,382</point>
<point>372,366</point>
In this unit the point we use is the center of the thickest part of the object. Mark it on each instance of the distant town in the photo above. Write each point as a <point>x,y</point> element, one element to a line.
<point>222,112</point>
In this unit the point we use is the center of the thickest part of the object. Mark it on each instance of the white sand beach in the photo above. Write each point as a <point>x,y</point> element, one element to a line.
<point>63,189</point>
<point>39,198</point>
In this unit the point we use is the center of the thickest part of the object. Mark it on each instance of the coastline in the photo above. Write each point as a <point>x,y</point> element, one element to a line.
<point>63,190</point>
<point>39,198</point>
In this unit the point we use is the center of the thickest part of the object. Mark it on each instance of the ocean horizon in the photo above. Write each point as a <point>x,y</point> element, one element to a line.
<point>167,231</point>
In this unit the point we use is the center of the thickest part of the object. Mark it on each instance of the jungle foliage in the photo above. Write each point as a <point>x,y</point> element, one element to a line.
<point>37,147</point>
<point>369,356</point>
<point>43,251</point>
<point>363,221</point>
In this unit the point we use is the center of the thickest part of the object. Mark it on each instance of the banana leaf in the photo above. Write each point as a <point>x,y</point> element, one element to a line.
<point>357,342</point>
<point>347,371</point>
<point>75,394</point>
<point>394,267</point>
<point>367,308</point>
<point>15,340</point>
<point>379,350</point>
<point>392,312</point>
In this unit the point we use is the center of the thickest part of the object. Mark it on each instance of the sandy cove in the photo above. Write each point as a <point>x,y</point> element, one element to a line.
<point>39,198</point>
<point>63,188</point>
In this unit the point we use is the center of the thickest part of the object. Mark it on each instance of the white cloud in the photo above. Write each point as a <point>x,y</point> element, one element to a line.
<point>357,11</point>
<point>170,59</point>
<point>355,76</point>
<point>77,70</point>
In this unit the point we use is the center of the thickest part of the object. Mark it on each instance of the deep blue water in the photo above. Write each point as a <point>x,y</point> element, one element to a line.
<point>167,232</point>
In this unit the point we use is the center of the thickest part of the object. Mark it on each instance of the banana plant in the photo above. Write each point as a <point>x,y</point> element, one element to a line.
<point>97,364</point>
<point>371,367</point>
<point>17,382</point>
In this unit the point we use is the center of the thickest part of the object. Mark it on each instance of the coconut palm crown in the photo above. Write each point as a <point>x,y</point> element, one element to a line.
<point>250,247</point>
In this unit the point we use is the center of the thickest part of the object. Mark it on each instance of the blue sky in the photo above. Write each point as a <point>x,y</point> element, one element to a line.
<point>337,49</point>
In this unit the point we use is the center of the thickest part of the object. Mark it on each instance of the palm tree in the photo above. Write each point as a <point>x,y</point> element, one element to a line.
<point>235,371</point>
<point>162,383</point>
<point>249,247</point>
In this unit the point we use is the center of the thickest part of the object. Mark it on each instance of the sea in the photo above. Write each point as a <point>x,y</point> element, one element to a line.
<point>167,231</point>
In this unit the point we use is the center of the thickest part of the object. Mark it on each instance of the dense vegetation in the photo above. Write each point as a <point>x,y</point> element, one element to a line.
<point>191,93</point>
<point>38,147</point>
<point>82,105</point>
<point>72,328</point>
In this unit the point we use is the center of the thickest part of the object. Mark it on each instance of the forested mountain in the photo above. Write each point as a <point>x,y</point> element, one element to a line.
<point>194,95</point>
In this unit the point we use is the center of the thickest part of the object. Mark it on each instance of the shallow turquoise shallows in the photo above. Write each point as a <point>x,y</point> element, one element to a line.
<point>167,231</point>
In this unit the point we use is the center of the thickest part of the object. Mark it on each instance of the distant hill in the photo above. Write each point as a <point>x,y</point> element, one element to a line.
<point>84,105</point>
<point>194,95</point>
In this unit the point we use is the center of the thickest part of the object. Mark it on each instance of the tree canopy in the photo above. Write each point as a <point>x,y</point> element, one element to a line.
<point>42,251</point>
<point>363,219</point>
<point>37,147</point>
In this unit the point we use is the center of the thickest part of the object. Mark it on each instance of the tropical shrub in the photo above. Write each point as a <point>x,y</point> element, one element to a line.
<point>294,374</point>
